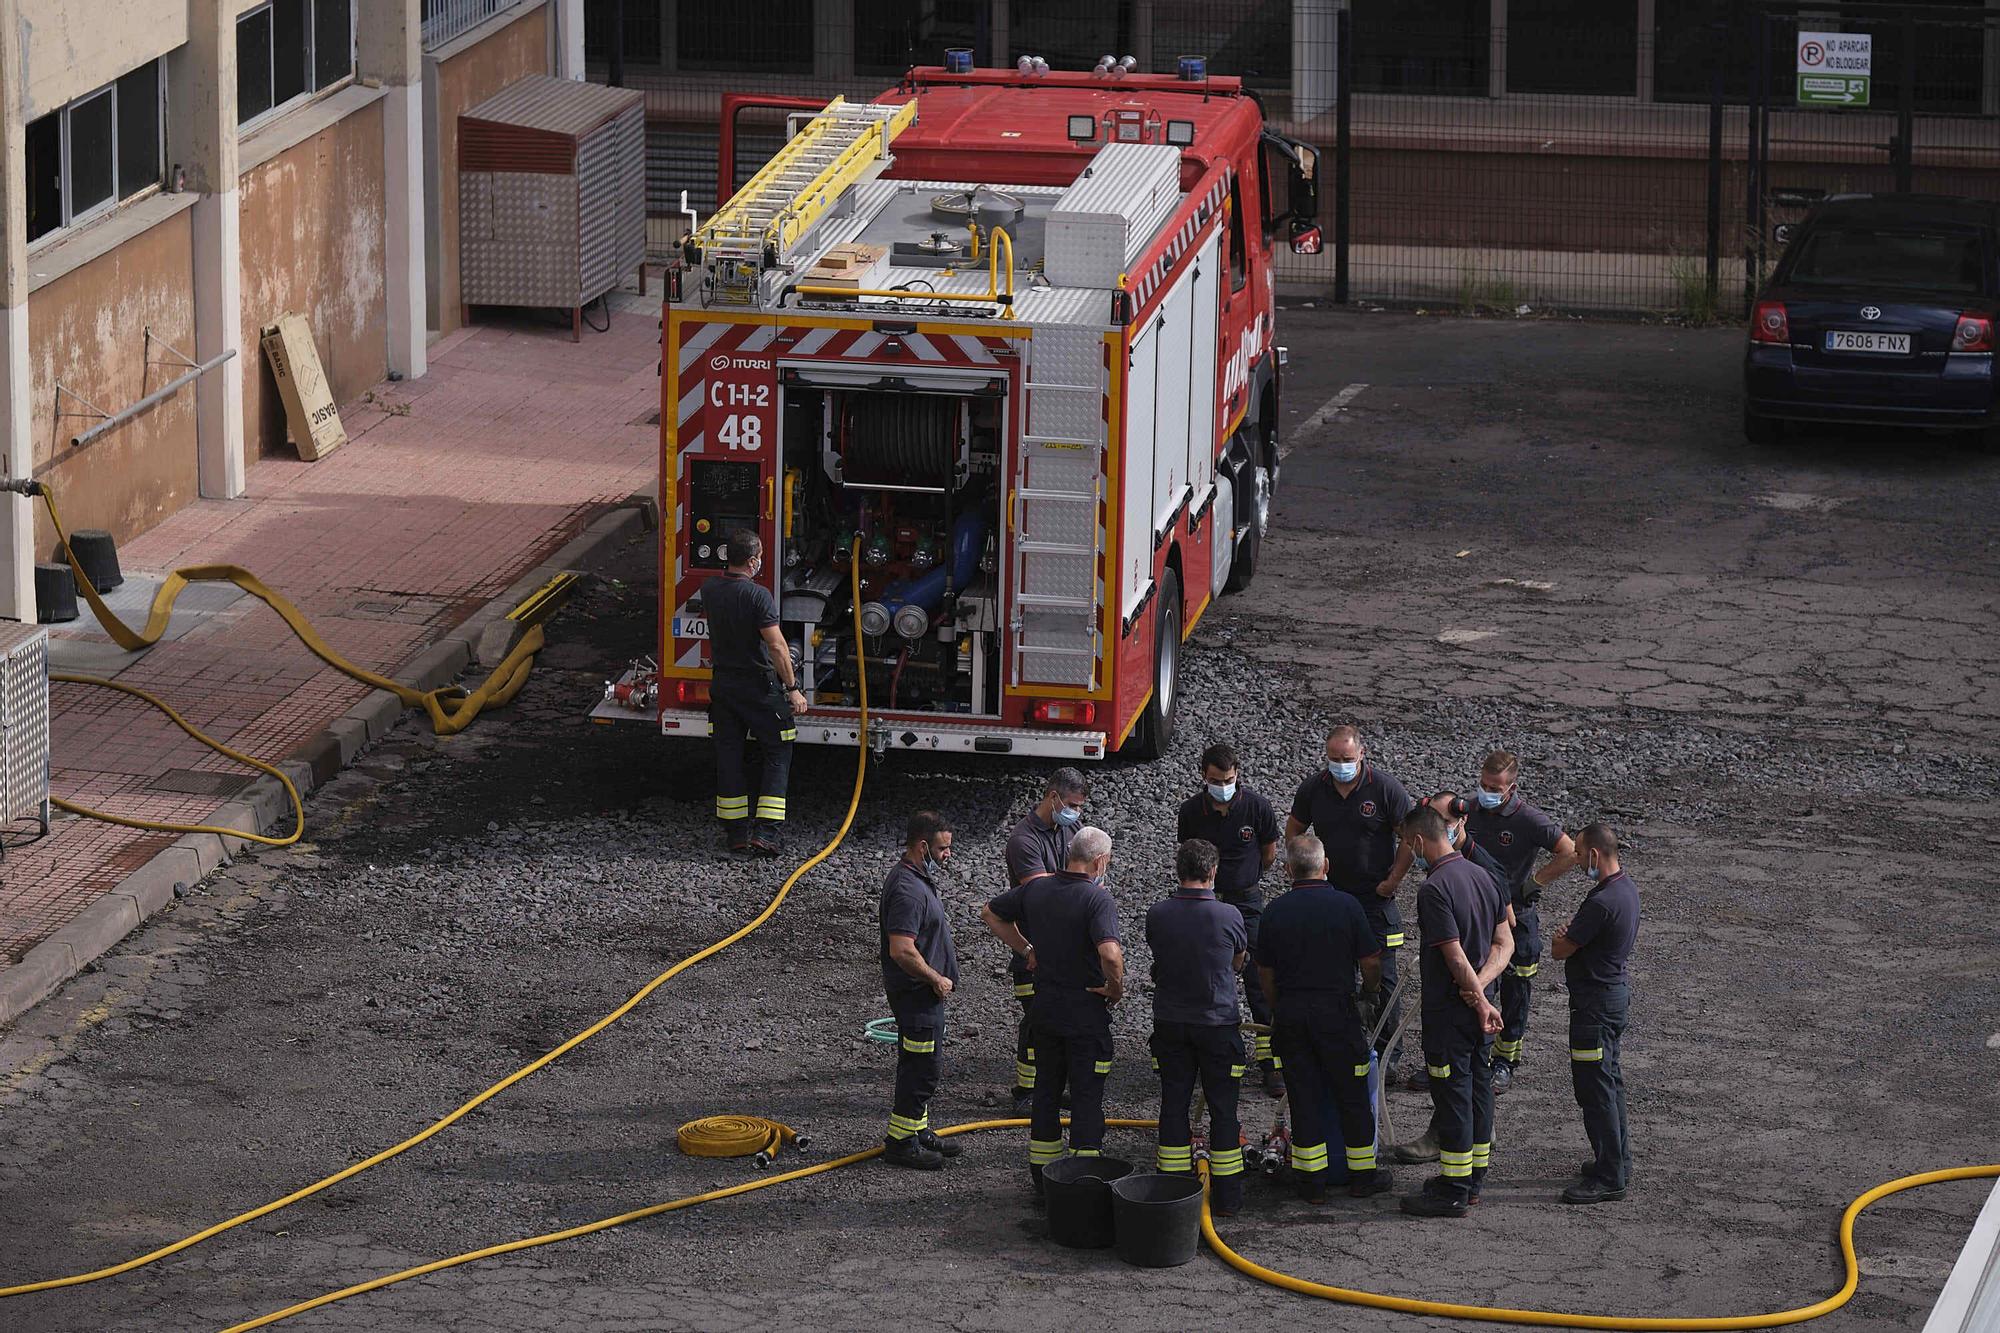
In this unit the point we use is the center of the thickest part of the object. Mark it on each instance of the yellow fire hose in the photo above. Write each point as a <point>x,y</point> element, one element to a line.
<point>450,709</point>
<point>727,1136</point>
<point>1400,1304</point>
<point>539,1063</point>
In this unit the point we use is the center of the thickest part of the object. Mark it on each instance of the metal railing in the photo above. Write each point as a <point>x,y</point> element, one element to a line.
<point>445,20</point>
<point>1497,154</point>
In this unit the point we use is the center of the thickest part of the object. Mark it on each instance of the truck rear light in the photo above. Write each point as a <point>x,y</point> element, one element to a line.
<point>1973,334</point>
<point>1769,324</point>
<point>690,693</point>
<point>1069,712</point>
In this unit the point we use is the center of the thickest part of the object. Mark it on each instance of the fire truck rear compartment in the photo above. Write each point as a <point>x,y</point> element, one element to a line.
<point>910,470</point>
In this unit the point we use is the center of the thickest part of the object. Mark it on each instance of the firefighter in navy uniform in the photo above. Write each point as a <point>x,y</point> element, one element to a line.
<point>1595,949</point>
<point>1039,845</point>
<point>1511,830</point>
<point>1199,946</point>
<point>1243,828</point>
<point>1315,941</point>
<point>1455,811</point>
<point>753,693</point>
<point>919,969</point>
<point>1079,969</point>
<point>1354,807</point>
<point>1467,943</point>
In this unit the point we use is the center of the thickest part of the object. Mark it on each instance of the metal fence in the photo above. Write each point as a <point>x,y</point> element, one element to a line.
<point>1618,155</point>
<point>445,20</point>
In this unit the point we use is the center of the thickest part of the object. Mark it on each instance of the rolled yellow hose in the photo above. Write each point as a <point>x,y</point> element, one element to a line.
<point>734,1136</point>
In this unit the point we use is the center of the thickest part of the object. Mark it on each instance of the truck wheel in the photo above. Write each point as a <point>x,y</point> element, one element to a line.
<point>1252,546</point>
<point>1156,729</point>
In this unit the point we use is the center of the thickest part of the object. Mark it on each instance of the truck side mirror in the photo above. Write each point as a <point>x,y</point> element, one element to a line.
<point>1306,238</point>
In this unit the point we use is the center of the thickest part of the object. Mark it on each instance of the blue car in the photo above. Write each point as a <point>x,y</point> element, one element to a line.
<point>1880,311</point>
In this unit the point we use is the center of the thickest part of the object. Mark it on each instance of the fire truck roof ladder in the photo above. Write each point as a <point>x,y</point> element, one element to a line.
<point>778,205</point>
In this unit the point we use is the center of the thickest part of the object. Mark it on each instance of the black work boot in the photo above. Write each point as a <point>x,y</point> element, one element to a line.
<point>1225,1195</point>
<point>1367,1184</point>
<point>1274,1082</point>
<point>1024,1102</point>
<point>1438,1198</point>
<point>1592,1189</point>
<point>764,840</point>
<point>736,832</point>
<point>1035,1181</point>
<point>909,1152</point>
<point>946,1148</point>
<point>1311,1185</point>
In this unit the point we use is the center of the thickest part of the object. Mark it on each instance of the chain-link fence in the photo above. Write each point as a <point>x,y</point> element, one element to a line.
<point>1624,155</point>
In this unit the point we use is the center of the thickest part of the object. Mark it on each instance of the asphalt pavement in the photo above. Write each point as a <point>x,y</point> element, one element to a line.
<point>1765,666</point>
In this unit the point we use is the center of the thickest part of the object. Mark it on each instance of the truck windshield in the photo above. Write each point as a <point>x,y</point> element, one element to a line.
<point>1945,261</point>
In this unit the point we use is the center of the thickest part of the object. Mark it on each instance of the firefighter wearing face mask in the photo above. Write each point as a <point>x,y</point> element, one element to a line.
<point>1240,824</point>
<point>1512,831</point>
<point>1038,846</point>
<point>1353,807</point>
<point>919,970</point>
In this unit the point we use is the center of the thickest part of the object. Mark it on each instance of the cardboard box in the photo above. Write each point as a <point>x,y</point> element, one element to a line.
<point>855,266</point>
<point>310,415</point>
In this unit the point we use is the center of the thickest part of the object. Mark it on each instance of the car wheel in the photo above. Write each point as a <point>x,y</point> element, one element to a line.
<point>1156,729</point>
<point>1760,429</point>
<point>1251,548</point>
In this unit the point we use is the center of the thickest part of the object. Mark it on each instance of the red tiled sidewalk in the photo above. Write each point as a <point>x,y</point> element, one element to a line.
<point>450,488</point>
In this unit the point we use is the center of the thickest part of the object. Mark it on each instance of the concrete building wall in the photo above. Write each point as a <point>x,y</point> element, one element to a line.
<point>71,47</point>
<point>312,235</point>
<point>87,328</point>
<point>463,79</point>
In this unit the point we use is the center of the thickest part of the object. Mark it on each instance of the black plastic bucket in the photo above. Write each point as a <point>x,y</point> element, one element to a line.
<point>1078,1193</point>
<point>1158,1219</point>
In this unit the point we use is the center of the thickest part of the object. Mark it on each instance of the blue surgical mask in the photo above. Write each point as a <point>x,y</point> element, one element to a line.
<point>1420,861</point>
<point>1490,800</point>
<point>1222,791</point>
<point>1067,814</point>
<point>1453,834</point>
<point>1593,873</point>
<point>1344,772</point>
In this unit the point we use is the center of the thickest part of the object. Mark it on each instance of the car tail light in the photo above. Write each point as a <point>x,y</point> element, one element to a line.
<point>1769,324</point>
<point>1074,712</point>
<point>690,694</point>
<point>1973,334</point>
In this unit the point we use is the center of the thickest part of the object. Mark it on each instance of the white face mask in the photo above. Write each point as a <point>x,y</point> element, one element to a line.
<point>1222,791</point>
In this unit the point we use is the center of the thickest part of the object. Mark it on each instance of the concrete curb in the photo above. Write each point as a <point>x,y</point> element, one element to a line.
<point>483,639</point>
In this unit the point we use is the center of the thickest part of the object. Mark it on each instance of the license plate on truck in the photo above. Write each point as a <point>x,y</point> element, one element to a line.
<point>1855,340</point>
<point>690,627</point>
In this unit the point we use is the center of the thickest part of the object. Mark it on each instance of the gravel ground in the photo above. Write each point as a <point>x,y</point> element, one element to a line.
<point>1781,704</point>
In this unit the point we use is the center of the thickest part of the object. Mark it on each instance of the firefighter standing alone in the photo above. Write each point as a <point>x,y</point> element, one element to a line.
<point>754,693</point>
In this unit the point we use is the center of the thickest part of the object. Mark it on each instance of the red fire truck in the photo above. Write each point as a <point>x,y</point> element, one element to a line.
<point>1006,337</point>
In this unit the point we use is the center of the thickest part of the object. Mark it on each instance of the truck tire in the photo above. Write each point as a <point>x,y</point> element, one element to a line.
<point>1251,548</point>
<point>1156,728</point>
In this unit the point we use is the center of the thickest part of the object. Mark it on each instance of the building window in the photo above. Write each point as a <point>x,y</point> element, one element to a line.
<point>775,36</point>
<point>289,49</point>
<point>99,149</point>
<point>1573,46</point>
<point>892,35</point>
<point>643,31</point>
<point>1421,46</point>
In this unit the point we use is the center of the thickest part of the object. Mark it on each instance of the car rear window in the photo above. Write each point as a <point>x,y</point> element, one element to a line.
<point>1857,256</point>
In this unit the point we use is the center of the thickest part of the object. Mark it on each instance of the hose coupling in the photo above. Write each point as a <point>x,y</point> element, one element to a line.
<point>22,486</point>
